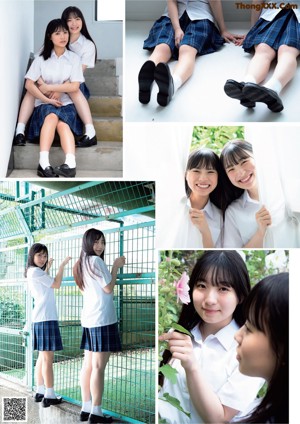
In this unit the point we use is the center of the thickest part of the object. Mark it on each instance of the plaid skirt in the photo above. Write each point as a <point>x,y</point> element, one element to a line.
<point>46,336</point>
<point>85,91</point>
<point>283,30</point>
<point>202,34</point>
<point>66,114</point>
<point>101,339</point>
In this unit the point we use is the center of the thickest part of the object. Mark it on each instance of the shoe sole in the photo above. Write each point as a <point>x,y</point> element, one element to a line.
<point>40,174</point>
<point>145,79</point>
<point>86,145</point>
<point>234,90</point>
<point>163,79</point>
<point>264,95</point>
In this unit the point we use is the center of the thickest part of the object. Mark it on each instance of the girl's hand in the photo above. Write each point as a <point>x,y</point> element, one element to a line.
<point>119,262</point>
<point>240,40</point>
<point>263,219</point>
<point>49,264</point>
<point>55,102</point>
<point>66,260</point>
<point>55,95</point>
<point>181,347</point>
<point>178,36</point>
<point>231,38</point>
<point>199,220</point>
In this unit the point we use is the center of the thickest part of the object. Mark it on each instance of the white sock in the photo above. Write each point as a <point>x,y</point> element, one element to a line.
<point>249,78</point>
<point>90,130</point>
<point>96,410</point>
<point>177,82</point>
<point>49,393</point>
<point>44,159</point>
<point>40,390</point>
<point>87,406</point>
<point>20,128</point>
<point>70,160</point>
<point>274,84</point>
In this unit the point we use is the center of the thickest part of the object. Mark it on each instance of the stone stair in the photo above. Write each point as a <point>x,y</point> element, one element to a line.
<point>104,159</point>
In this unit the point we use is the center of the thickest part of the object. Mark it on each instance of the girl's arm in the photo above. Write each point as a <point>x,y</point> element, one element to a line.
<point>206,402</point>
<point>263,219</point>
<point>34,90</point>
<point>118,263</point>
<point>67,87</point>
<point>217,11</point>
<point>173,15</point>
<point>255,14</point>
<point>199,220</point>
<point>58,279</point>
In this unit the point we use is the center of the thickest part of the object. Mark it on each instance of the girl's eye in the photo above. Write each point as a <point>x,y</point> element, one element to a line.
<point>200,285</point>
<point>224,289</point>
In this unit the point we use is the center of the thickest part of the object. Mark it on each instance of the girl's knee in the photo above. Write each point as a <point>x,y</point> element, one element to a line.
<point>265,49</point>
<point>284,49</point>
<point>52,117</point>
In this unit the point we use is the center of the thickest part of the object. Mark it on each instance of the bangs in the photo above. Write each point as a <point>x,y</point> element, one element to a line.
<point>203,159</point>
<point>74,15</point>
<point>256,312</point>
<point>217,275</point>
<point>234,153</point>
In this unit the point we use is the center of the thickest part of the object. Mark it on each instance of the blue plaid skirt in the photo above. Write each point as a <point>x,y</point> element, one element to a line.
<point>66,114</point>
<point>283,30</point>
<point>46,336</point>
<point>202,34</point>
<point>101,339</point>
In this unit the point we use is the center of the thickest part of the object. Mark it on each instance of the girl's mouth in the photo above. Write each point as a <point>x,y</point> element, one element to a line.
<point>203,185</point>
<point>246,180</point>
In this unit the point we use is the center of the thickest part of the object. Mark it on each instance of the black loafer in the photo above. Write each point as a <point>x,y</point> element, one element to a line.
<point>38,397</point>
<point>234,90</point>
<point>257,93</point>
<point>48,402</point>
<point>146,78</point>
<point>100,419</point>
<point>48,172</point>
<point>65,171</point>
<point>86,141</point>
<point>84,416</point>
<point>20,140</point>
<point>164,79</point>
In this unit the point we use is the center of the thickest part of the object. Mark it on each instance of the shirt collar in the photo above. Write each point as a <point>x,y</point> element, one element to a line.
<point>66,54</point>
<point>208,208</point>
<point>225,336</point>
<point>247,199</point>
<point>79,40</point>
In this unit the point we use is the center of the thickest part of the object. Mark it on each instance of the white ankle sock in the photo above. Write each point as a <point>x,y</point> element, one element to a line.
<point>249,78</point>
<point>40,390</point>
<point>20,128</point>
<point>70,160</point>
<point>177,82</point>
<point>87,406</point>
<point>274,84</point>
<point>90,130</point>
<point>49,393</point>
<point>44,159</point>
<point>96,410</point>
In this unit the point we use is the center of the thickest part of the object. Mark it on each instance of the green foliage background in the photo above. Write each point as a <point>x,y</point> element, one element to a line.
<point>215,137</point>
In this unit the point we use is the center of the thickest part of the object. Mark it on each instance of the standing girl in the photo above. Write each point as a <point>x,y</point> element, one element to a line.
<point>99,321</point>
<point>46,335</point>
<point>184,30</point>
<point>246,221</point>
<point>263,347</point>
<point>61,72</point>
<point>209,384</point>
<point>275,35</point>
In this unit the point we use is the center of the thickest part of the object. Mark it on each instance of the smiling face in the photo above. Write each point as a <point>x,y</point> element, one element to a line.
<point>254,352</point>
<point>243,174</point>
<point>201,181</point>
<point>40,259</point>
<point>74,24</point>
<point>60,37</point>
<point>99,246</point>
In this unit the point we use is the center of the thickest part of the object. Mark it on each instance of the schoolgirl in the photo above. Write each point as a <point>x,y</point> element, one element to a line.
<point>185,29</point>
<point>46,335</point>
<point>83,45</point>
<point>275,34</point>
<point>209,385</point>
<point>61,72</point>
<point>99,321</point>
<point>263,347</point>
<point>246,220</point>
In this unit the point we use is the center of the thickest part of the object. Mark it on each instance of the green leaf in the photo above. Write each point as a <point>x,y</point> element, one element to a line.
<point>169,373</point>
<point>181,329</point>
<point>174,402</point>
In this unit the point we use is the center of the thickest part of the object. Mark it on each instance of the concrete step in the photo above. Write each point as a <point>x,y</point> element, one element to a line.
<point>106,106</point>
<point>105,156</point>
<point>108,129</point>
<point>102,79</point>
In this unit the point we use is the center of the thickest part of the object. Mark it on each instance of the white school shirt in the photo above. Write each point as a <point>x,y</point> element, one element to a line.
<point>196,9</point>
<point>85,49</point>
<point>56,70</point>
<point>187,235</point>
<point>216,356</point>
<point>269,14</point>
<point>98,307</point>
<point>39,283</point>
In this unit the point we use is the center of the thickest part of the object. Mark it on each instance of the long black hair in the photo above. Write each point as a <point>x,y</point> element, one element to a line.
<point>53,26</point>
<point>36,248</point>
<point>227,267</point>
<point>74,11</point>
<point>89,238</point>
<point>267,309</point>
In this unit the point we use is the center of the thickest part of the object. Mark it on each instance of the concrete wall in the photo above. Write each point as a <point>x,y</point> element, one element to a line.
<point>152,10</point>
<point>107,35</point>
<point>16,41</point>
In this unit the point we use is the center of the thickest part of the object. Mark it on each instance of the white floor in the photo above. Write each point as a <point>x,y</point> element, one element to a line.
<point>202,98</point>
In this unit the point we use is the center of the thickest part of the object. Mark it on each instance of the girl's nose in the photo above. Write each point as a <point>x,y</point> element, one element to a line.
<point>211,296</point>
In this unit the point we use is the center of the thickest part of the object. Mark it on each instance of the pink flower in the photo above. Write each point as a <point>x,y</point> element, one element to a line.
<point>182,289</point>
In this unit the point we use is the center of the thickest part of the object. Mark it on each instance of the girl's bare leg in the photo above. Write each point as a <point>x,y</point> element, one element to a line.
<point>99,362</point>
<point>85,378</point>
<point>259,65</point>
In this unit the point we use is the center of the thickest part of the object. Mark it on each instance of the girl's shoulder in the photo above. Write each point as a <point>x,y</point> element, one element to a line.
<point>35,271</point>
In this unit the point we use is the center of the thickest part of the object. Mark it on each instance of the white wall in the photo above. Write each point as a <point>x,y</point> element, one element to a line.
<point>16,42</point>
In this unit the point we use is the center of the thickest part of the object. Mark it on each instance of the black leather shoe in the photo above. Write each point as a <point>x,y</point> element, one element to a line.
<point>65,171</point>
<point>47,402</point>
<point>234,90</point>
<point>100,419</point>
<point>258,93</point>
<point>145,79</point>
<point>84,416</point>
<point>164,79</point>
<point>48,172</point>
<point>38,397</point>
<point>20,140</point>
<point>86,141</point>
